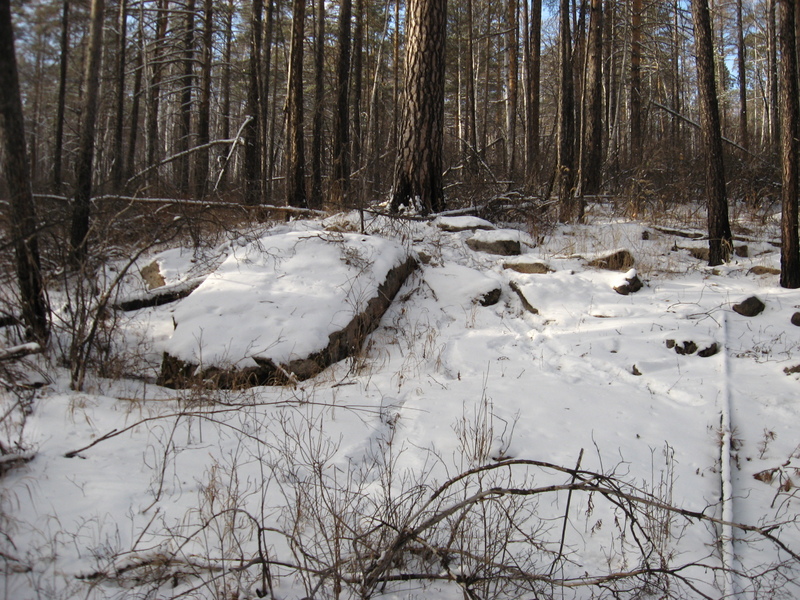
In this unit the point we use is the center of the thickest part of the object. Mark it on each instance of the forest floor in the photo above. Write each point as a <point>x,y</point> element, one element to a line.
<point>187,493</point>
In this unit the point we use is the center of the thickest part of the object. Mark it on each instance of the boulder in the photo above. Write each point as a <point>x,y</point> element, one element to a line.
<point>505,242</point>
<point>458,224</point>
<point>300,301</point>
<point>796,319</point>
<point>762,270</point>
<point>631,284</point>
<point>619,260</point>
<point>527,266</point>
<point>750,307</point>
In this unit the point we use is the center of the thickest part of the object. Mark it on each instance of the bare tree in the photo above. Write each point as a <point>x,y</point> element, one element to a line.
<point>720,240</point>
<point>14,162</point>
<point>592,148</point>
<point>418,171</point>
<point>58,150</point>
<point>569,208</point>
<point>340,182</point>
<point>253,188</point>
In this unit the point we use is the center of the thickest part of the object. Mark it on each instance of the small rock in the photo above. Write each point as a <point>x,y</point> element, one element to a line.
<point>616,261</point>
<point>152,276</point>
<point>635,371</point>
<point>761,270</point>
<point>528,268</point>
<point>699,253</point>
<point>490,298</point>
<point>750,307</point>
<point>645,235</point>
<point>796,319</point>
<point>687,347</point>
<point>632,284</point>
<point>741,251</point>
<point>709,351</point>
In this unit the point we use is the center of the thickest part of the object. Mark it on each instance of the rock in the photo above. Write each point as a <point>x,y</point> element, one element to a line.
<point>796,319</point>
<point>687,347</point>
<point>527,266</point>
<point>152,276</point>
<point>458,224</point>
<point>525,304</point>
<point>502,242</point>
<point>306,303</point>
<point>632,284</point>
<point>792,370</point>
<point>645,237</point>
<point>761,270</point>
<point>699,253</point>
<point>741,251</point>
<point>620,260</point>
<point>159,296</point>
<point>750,307</point>
<point>490,298</point>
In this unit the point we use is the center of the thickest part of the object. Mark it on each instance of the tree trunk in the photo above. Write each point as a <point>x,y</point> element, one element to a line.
<point>187,83</point>
<point>569,208</point>
<point>719,231</point>
<point>319,106</point>
<point>162,6</point>
<point>533,78</point>
<point>358,83</point>
<point>81,202</point>
<point>512,76</point>
<point>790,246</point>
<point>340,182</point>
<point>252,130</point>
<point>14,164</point>
<point>118,168</point>
<point>636,83</point>
<point>772,78</point>
<point>744,138</point>
<point>295,150</point>
<point>58,150</point>
<point>133,133</point>
<point>592,154</point>
<point>418,172</point>
<point>204,108</point>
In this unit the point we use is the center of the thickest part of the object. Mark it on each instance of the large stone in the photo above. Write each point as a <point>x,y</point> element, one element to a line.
<point>619,260</point>
<point>504,242</point>
<point>750,307</point>
<point>458,224</point>
<point>527,266</point>
<point>301,301</point>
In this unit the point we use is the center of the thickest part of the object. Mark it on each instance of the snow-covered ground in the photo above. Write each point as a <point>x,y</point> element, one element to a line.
<point>187,492</point>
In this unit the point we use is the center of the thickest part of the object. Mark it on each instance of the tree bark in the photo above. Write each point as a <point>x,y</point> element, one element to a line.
<point>592,154</point>
<point>533,64</point>
<point>570,209</point>
<point>719,231</point>
<point>81,202</point>
<point>154,98</point>
<point>118,168</point>
<point>790,246</point>
<point>319,106</point>
<point>418,171</point>
<point>295,149</point>
<point>636,83</point>
<point>187,84</point>
<point>744,138</point>
<point>204,108</point>
<point>252,132</point>
<point>58,151</point>
<point>14,163</point>
<point>340,182</point>
<point>512,76</point>
<point>133,133</point>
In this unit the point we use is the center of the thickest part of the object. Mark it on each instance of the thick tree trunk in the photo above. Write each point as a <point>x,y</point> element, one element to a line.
<point>252,131</point>
<point>133,133</point>
<point>772,78</point>
<point>14,157</point>
<point>81,202</point>
<point>154,98</point>
<point>295,149</point>
<point>719,231</point>
<point>592,154</point>
<point>358,83</point>
<point>418,172</point>
<point>340,182</point>
<point>58,151</point>
<point>790,246</point>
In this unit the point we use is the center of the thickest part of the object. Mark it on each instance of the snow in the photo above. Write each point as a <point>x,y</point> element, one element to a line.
<point>591,374</point>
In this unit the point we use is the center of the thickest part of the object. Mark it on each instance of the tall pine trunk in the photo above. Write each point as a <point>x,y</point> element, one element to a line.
<point>14,163</point>
<point>340,182</point>
<point>295,148</point>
